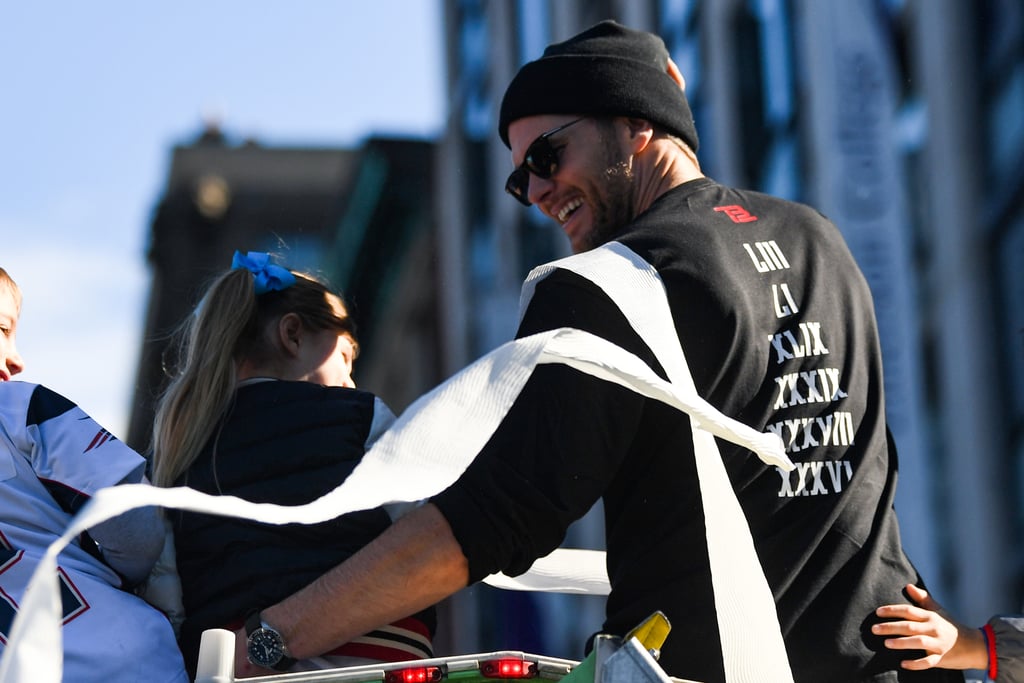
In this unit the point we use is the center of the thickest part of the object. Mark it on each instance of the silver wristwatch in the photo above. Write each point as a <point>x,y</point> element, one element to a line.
<point>265,645</point>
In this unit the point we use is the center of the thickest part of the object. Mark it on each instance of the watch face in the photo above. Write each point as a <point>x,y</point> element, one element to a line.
<point>265,647</point>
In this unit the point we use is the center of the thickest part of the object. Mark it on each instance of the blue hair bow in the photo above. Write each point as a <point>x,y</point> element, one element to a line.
<point>268,277</point>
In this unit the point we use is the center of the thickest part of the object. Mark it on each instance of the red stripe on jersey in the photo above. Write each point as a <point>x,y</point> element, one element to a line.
<point>98,440</point>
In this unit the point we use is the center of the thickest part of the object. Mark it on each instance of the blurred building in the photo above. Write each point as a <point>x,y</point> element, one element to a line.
<point>361,218</point>
<point>900,120</point>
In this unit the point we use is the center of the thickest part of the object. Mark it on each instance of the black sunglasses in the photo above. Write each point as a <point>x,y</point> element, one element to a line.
<point>541,160</point>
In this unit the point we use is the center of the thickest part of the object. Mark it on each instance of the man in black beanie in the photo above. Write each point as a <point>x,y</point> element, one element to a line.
<point>777,327</point>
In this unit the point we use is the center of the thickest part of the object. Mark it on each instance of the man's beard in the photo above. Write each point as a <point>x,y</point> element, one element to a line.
<point>613,209</point>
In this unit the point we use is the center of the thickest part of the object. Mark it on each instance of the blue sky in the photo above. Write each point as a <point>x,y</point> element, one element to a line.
<point>94,96</point>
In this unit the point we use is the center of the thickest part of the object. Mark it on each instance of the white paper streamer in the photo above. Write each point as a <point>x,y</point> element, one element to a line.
<point>566,570</point>
<point>753,649</point>
<point>413,460</point>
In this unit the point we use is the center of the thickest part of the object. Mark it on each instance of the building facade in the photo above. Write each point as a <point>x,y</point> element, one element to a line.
<point>900,120</point>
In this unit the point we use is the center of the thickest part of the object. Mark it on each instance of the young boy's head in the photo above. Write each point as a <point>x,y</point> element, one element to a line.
<point>10,308</point>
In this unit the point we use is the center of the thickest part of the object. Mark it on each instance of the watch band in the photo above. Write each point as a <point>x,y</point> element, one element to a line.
<point>257,629</point>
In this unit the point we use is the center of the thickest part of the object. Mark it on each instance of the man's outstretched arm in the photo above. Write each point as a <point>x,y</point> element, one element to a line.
<point>414,564</point>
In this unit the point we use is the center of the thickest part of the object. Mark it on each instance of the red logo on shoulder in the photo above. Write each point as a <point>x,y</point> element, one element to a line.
<point>737,213</point>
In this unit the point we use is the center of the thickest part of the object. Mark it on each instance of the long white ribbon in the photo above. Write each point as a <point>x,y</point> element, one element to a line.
<point>419,456</point>
<point>752,645</point>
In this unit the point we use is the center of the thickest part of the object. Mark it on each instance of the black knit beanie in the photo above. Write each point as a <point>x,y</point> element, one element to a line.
<point>607,70</point>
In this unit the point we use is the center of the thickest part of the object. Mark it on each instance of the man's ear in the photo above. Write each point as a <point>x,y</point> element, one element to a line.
<point>675,74</point>
<point>640,133</point>
<point>289,333</point>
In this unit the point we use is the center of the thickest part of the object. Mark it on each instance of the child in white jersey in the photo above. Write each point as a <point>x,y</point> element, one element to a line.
<point>53,458</point>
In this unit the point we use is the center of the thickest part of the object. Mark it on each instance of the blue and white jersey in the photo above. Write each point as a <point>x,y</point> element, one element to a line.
<point>53,458</point>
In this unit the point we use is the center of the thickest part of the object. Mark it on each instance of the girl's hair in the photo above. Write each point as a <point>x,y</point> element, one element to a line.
<point>227,327</point>
<point>7,282</point>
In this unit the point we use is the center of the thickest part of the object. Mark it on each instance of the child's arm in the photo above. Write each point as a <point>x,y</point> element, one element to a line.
<point>131,542</point>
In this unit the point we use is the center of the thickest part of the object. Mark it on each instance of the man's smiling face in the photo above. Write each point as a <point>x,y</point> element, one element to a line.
<point>590,194</point>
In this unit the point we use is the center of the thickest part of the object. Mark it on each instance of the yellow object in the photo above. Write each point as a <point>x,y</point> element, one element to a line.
<point>652,631</point>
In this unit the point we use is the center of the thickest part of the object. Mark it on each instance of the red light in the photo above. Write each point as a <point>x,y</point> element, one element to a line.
<point>508,668</point>
<point>419,674</point>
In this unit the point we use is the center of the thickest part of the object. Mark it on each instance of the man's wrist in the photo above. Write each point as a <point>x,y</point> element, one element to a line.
<point>265,646</point>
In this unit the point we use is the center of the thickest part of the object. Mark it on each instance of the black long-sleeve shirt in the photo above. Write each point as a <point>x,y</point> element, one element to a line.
<point>777,325</point>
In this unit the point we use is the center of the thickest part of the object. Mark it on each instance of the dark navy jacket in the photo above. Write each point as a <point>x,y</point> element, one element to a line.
<point>286,443</point>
